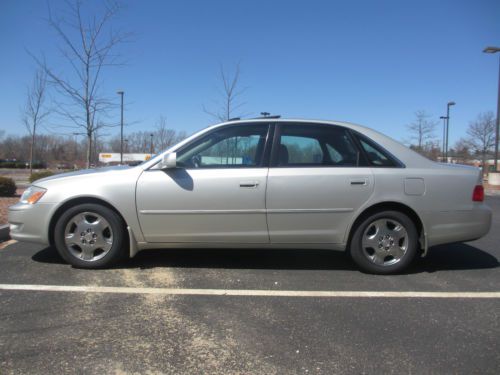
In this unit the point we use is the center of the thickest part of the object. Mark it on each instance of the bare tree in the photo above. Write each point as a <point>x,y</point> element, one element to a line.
<point>140,142</point>
<point>421,130</point>
<point>88,44</point>
<point>462,150</point>
<point>35,111</point>
<point>164,137</point>
<point>481,135</point>
<point>230,93</point>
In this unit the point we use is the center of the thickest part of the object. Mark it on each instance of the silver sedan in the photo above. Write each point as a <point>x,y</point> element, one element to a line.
<point>267,183</point>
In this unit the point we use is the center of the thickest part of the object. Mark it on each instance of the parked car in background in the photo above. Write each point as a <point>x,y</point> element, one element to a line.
<point>272,183</point>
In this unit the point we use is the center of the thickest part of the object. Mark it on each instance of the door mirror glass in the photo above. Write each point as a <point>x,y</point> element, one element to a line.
<point>169,161</point>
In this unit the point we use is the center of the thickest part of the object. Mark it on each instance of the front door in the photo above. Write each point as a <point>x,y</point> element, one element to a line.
<point>217,193</point>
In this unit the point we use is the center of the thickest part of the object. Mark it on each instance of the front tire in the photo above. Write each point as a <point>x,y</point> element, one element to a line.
<point>384,243</point>
<point>90,236</point>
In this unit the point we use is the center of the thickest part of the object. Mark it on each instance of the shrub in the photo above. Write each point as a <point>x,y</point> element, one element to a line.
<point>39,165</point>
<point>7,187</point>
<point>38,175</point>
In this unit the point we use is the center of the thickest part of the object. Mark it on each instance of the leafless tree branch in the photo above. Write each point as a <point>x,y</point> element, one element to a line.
<point>481,134</point>
<point>230,92</point>
<point>35,110</point>
<point>421,130</point>
<point>87,43</point>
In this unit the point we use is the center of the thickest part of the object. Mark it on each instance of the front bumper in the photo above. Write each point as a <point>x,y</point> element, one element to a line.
<point>30,222</point>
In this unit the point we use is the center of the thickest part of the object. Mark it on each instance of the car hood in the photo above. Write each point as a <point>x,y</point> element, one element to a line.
<point>80,173</point>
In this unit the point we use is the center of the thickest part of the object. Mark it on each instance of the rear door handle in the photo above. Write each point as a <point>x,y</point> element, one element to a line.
<point>249,184</point>
<point>361,181</point>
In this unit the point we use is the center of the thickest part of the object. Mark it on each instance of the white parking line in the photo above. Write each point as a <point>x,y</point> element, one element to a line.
<point>246,292</point>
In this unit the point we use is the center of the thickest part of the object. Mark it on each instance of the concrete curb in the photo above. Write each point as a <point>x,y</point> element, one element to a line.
<point>492,192</point>
<point>4,232</point>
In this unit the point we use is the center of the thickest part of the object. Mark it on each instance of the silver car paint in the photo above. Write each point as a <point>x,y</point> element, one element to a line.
<point>315,207</point>
<point>205,205</point>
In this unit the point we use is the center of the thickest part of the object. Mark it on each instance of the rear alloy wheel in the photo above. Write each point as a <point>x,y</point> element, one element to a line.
<point>384,243</point>
<point>89,236</point>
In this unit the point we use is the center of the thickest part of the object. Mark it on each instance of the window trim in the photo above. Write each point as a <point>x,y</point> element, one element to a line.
<point>276,142</point>
<point>264,161</point>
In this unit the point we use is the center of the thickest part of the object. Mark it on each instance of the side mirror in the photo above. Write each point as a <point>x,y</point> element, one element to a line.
<point>169,161</point>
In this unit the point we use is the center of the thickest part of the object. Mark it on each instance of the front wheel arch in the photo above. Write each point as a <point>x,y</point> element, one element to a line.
<point>390,206</point>
<point>82,200</point>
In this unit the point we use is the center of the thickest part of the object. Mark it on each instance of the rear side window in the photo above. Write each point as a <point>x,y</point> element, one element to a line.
<point>375,154</point>
<point>315,145</point>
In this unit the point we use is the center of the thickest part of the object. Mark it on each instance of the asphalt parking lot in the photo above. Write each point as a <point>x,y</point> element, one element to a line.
<point>141,318</point>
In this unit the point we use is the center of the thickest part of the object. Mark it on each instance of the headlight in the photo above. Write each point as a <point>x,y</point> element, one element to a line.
<point>32,194</point>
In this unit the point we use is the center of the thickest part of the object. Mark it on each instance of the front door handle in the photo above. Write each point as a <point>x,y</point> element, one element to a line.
<point>249,184</point>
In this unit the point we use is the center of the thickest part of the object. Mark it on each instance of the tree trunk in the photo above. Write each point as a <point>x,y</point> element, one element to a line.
<point>484,162</point>
<point>89,149</point>
<point>32,149</point>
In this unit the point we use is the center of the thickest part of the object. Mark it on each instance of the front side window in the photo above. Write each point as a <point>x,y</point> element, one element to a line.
<point>231,147</point>
<point>315,145</point>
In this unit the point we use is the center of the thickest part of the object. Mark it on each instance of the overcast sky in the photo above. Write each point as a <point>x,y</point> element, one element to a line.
<point>368,62</point>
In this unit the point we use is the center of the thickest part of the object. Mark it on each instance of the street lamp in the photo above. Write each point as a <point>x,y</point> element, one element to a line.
<point>444,118</point>
<point>448,105</point>
<point>121,126</point>
<point>495,50</point>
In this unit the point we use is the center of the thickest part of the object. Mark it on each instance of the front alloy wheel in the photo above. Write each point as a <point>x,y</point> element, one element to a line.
<point>90,236</point>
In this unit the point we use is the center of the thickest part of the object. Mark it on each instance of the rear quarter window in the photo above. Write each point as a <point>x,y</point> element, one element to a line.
<point>376,155</point>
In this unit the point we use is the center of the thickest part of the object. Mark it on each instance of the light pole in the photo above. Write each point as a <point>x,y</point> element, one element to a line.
<point>444,118</point>
<point>495,50</point>
<point>448,105</point>
<point>121,126</point>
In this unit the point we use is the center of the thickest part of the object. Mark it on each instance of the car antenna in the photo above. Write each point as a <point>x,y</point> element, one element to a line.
<point>268,115</point>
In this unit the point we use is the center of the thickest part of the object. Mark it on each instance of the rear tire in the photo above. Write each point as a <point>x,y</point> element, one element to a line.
<point>384,243</point>
<point>90,236</point>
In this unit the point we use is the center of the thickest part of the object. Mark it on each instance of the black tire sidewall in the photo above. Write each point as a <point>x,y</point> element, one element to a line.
<point>116,252</point>
<point>364,263</point>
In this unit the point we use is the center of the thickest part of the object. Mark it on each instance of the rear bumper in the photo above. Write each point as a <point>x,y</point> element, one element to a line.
<point>30,223</point>
<point>458,226</point>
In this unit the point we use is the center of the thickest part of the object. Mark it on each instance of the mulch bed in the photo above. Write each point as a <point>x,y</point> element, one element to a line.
<point>5,202</point>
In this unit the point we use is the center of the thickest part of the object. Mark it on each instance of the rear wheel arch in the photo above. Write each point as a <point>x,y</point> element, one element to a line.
<point>390,206</point>
<point>82,200</point>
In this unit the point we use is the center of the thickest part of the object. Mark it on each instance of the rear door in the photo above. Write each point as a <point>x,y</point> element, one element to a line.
<point>315,184</point>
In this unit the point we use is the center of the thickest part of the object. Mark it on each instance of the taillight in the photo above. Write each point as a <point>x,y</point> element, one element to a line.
<point>478,193</point>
